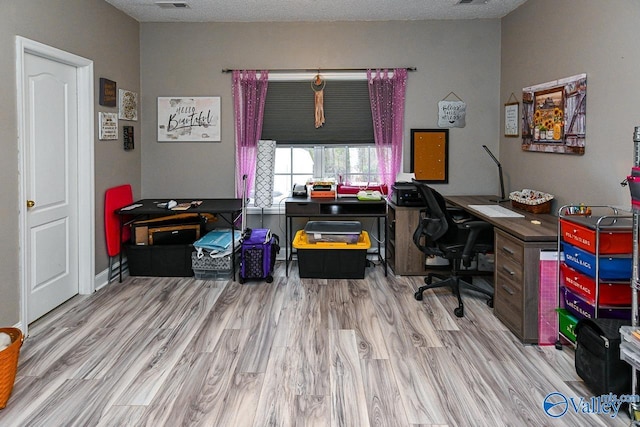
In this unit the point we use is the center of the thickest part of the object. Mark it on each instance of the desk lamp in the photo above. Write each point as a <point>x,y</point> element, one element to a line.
<point>502,197</point>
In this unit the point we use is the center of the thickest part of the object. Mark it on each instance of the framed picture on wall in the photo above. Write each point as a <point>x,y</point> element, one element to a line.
<point>511,119</point>
<point>127,137</point>
<point>554,116</point>
<point>194,118</point>
<point>108,94</point>
<point>108,126</point>
<point>127,105</point>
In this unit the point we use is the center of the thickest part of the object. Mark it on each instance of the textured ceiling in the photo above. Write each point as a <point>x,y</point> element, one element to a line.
<point>312,10</point>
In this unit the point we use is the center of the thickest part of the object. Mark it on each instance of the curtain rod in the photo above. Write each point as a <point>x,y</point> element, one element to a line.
<point>320,70</point>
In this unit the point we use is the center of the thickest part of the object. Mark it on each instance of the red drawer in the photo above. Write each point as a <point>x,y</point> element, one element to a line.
<point>611,293</point>
<point>619,242</point>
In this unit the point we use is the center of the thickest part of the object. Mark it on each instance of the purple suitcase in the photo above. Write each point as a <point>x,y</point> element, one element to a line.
<point>258,255</point>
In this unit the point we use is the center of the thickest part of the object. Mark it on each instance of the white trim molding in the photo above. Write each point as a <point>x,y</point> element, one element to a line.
<point>86,181</point>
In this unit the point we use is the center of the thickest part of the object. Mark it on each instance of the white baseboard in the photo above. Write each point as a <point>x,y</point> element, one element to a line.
<point>102,278</point>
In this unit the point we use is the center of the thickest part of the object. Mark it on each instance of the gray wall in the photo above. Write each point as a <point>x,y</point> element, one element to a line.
<point>482,61</point>
<point>187,59</point>
<point>91,29</point>
<point>544,40</point>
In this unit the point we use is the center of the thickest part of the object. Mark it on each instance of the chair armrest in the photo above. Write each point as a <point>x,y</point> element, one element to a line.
<point>476,224</point>
<point>456,210</point>
<point>475,227</point>
<point>458,215</point>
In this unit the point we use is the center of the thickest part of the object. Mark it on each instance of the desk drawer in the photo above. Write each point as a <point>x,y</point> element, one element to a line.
<point>509,248</point>
<point>511,270</point>
<point>509,297</point>
<point>508,303</point>
<point>302,208</point>
<point>509,292</point>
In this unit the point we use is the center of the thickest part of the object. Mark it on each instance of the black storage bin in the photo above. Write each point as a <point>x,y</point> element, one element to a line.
<point>332,263</point>
<point>159,260</point>
<point>598,356</point>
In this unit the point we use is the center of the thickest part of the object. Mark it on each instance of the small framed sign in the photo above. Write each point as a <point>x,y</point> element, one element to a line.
<point>108,126</point>
<point>128,105</point>
<point>127,137</point>
<point>511,119</point>
<point>108,95</point>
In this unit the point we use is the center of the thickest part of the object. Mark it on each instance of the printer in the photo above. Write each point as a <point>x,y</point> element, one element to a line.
<point>406,194</point>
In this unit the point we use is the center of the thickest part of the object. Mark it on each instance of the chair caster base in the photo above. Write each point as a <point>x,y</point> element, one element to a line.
<point>490,302</point>
<point>459,311</point>
<point>418,295</point>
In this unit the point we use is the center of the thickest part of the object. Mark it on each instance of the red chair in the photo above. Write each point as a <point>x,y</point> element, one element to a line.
<point>114,199</point>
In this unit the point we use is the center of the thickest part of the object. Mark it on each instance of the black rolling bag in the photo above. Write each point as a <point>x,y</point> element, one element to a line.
<point>598,356</point>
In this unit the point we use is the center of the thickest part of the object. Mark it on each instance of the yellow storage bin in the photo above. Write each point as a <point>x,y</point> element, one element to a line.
<point>301,241</point>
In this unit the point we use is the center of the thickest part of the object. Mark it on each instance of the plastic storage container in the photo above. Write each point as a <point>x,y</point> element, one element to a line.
<point>331,260</point>
<point>207,267</point>
<point>630,354</point>
<point>584,237</point>
<point>568,323</point>
<point>610,293</point>
<point>613,267</point>
<point>333,231</point>
<point>159,260</point>
<point>580,308</point>
<point>201,274</point>
<point>630,334</point>
<point>208,262</point>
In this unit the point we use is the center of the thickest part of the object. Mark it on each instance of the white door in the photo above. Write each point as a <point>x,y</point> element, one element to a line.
<point>51,160</point>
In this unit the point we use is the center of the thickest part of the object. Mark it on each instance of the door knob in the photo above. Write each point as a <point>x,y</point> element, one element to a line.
<point>30,203</point>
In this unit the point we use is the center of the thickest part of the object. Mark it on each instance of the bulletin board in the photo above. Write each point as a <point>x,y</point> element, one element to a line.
<point>429,155</point>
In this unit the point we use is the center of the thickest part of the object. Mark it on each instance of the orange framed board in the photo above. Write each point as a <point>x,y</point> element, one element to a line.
<point>429,155</point>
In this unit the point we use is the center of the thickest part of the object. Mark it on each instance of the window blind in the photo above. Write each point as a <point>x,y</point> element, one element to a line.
<point>289,113</point>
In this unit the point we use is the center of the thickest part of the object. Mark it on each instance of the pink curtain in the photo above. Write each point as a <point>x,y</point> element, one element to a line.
<point>249,93</point>
<point>387,89</point>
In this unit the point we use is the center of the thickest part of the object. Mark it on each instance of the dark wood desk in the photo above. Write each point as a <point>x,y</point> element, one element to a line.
<point>345,207</point>
<point>522,228</point>
<point>229,210</point>
<point>518,242</point>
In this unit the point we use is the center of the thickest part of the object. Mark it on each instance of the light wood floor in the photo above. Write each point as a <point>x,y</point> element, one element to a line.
<point>184,352</point>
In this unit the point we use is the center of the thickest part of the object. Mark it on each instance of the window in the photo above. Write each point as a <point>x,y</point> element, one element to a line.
<point>342,149</point>
<point>297,164</point>
<point>289,113</point>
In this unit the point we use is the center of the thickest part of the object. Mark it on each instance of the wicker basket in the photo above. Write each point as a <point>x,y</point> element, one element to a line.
<point>532,201</point>
<point>541,208</point>
<point>9,364</point>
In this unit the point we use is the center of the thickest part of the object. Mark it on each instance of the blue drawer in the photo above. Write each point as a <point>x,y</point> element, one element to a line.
<point>612,267</point>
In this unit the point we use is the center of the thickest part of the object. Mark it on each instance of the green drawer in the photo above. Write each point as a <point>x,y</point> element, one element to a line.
<point>567,324</point>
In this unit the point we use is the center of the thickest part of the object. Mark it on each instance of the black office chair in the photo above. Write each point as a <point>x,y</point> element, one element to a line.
<point>459,240</point>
